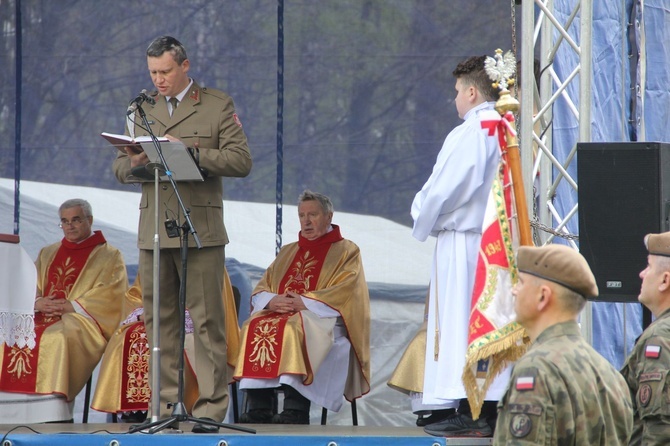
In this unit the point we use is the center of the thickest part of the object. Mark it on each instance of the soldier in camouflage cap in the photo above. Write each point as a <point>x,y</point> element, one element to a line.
<point>561,391</point>
<point>646,370</point>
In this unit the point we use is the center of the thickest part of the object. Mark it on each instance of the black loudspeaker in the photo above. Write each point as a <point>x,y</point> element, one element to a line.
<point>624,193</point>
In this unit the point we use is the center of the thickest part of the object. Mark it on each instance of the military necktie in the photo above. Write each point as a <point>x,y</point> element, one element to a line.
<point>174,102</point>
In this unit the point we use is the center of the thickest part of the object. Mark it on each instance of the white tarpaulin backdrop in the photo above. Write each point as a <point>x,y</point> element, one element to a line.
<point>396,267</point>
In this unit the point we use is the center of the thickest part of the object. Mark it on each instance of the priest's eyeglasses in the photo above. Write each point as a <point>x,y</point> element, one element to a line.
<point>76,221</point>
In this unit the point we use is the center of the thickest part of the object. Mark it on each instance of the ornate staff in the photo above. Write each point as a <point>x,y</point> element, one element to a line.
<point>501,69</point>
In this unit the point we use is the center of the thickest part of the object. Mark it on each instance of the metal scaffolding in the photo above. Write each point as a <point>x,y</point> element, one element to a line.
<point>536,117</point>
<point>543,34</point>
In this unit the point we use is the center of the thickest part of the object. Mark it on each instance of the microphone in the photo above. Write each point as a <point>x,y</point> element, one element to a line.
<point>144,96</point>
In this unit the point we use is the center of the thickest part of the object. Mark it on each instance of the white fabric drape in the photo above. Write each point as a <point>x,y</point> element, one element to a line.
<point>18,282</point>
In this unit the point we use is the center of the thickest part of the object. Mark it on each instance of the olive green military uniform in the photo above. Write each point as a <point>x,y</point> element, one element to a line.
<point>563,392</point>
<point>646,372</point>
<point>205,119</point>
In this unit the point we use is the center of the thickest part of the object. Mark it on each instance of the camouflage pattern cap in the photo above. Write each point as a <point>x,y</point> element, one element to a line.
<point>658,244</point>
<point>559,264</point>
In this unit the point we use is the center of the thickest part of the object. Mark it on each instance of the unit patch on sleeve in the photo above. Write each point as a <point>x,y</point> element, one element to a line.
<point>237,120</point>
<point>520,425</point>
<point>645,394</point>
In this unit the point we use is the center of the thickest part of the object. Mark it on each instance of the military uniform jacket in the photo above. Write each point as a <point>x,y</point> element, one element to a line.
<point>562,392</point>
<point>205,119</point>
<point>646,372</point>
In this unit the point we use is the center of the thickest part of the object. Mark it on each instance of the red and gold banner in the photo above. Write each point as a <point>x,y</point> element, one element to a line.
<point>494,338</point>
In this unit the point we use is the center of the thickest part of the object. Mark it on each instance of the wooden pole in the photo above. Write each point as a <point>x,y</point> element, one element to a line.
<point>503,105</point>
<point>501,70</point>
<point>514,158</point>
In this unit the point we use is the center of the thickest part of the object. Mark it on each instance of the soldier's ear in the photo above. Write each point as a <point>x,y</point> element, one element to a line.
<point>665,281</point>
<point>545,297</point>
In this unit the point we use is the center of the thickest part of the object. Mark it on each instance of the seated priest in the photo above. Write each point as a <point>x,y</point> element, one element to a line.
<point>123,381</point>
<point>309,331</point>
<point>80,287</point>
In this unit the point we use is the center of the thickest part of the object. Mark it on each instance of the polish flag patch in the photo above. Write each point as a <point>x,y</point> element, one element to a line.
<point>525,383</point>
<point>652,351</point>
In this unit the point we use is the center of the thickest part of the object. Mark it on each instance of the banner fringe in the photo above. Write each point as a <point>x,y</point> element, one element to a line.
<point>503,352</point>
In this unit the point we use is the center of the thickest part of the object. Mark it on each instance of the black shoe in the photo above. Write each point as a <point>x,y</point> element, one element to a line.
<point>460,425</point>
<point>205,428</point>
<point>435,417</point>
<point>257,416</point>
<point>291,416</point>
<point>135,416</point>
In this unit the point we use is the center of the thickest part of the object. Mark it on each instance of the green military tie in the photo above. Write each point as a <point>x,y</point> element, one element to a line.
<point>174,102</point>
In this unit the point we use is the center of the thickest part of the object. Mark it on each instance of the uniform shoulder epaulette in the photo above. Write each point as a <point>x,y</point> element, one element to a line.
<point>660,328</point>
<point>216,93</point>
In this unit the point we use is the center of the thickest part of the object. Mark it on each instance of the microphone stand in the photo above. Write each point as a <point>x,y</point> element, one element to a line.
<point>179,412</point>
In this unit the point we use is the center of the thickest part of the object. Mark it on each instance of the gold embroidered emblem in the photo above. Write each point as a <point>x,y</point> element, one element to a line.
<point>301,274</point>
<point>265,343</point>
<point>490,288</point>
<point>63,279</point>
<point>19,365</point>
<point>476,325</point>
<point>137,367</point>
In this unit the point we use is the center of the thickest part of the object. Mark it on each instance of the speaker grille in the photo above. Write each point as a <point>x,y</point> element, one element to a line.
<point>622,196</point>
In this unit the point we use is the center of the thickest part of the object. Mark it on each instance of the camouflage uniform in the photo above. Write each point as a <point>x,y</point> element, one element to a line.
<point>563,392</point>
<point>646,372</point>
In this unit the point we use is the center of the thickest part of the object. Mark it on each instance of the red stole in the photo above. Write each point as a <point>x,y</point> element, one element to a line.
<point>20,371</point>
<point>265,334</point>
<point>135,391</point>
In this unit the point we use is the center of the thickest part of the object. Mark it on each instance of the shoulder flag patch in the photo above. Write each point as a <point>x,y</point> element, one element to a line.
<point>525,383</point>
<point>652,351</point>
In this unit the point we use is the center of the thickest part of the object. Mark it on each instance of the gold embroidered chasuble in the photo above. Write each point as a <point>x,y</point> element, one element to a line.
<point>408,374</point>
<point>123,382</point>
<point>70,348</point>
<point>338,282</point>
<point>109,395</point>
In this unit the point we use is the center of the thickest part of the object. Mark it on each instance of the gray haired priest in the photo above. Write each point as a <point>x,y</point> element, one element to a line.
<point>309,332</point>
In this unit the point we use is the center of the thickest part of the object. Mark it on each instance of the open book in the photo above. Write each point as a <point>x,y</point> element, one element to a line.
<point>178,158</point>
<point>121,141</point>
